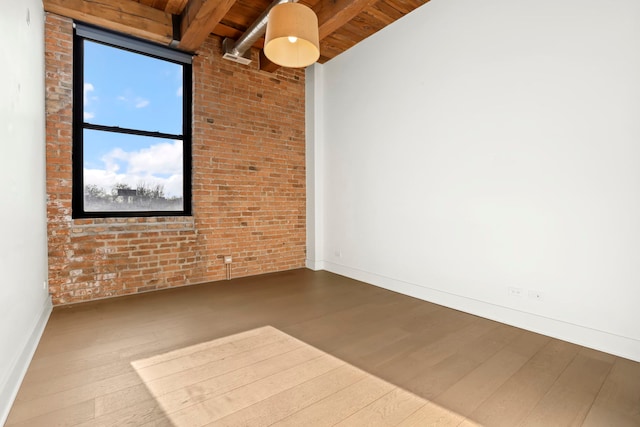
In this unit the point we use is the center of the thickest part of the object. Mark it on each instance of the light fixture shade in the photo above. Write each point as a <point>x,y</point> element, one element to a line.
<point>292,36</point>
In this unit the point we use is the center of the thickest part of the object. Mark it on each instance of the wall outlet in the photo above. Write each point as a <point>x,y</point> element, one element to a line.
<point>228,259</point>
<point>45,285</point>
<point>337,253</point>
<point>536,295</point>
<point>515,292</point>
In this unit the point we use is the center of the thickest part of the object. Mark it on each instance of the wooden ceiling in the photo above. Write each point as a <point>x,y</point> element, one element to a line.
<point>342,23</point>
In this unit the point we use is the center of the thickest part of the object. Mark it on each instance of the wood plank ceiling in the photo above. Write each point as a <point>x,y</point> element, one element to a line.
<point>342,23</point>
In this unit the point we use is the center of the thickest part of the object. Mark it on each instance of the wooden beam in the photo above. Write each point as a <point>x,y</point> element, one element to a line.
<point>266,64</point>
<point>335,13</point>
<point>199,19</point>
<point>125,16</point>
<point>223,31</point>
<point>175,7</point>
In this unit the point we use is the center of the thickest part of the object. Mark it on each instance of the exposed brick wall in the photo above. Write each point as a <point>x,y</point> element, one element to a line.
<point>248,185</point>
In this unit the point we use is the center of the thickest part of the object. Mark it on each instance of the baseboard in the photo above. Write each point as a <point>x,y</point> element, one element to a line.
<point>599,340</point>
<point>19,368</point>
<point>314,265</point>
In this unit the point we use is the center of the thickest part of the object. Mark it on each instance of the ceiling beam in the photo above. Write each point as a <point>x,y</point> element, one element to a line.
<point>266,64</point>
<point>199,19</point>
<point>125,16</point>
<point>334,14</point>
<point>175,7</point>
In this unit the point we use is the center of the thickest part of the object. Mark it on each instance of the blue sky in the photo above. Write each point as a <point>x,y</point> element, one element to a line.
<point>139,92</point>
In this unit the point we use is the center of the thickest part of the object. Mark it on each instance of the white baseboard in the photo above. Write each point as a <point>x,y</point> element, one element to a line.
<point>626,347</point>
<point>314,265</point>
<point>10,389</point>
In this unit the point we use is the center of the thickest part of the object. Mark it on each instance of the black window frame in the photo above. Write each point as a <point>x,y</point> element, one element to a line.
<point>84,32</point>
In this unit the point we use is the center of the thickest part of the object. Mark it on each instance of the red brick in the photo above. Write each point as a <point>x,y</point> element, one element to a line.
<point>248,185</point>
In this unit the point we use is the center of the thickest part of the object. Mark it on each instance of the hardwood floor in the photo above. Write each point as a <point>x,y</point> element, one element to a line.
<point>310,348</point>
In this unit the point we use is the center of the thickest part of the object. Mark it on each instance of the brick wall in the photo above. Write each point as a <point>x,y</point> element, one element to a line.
<point>248,185</point>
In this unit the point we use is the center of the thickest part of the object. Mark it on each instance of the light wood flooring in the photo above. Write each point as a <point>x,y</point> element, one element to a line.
<point>305,348</point>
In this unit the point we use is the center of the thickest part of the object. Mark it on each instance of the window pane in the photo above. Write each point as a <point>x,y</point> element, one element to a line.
<point>131,90</point>
<point>131,173</point>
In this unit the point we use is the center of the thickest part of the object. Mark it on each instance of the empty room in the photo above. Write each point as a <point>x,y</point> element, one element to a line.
<point>320,212</point>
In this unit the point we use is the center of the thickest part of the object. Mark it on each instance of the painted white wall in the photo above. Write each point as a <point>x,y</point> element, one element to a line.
<point>475,146</point>
<point>24,302</point>
<point>314,158</point>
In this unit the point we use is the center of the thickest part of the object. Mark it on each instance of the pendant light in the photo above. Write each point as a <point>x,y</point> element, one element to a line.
<point>292,36</point>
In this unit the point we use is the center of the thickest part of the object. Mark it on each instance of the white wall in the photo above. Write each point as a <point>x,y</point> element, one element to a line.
<point>314,158</point>
<point>24,303</point>
<point>474,146</point>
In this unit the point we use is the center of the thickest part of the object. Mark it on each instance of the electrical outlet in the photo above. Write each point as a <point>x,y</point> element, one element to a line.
<point>337,253</point>
<point>228,259</point>
<point>44,285</point>
<point>536,295</point>
<point>515,292</point>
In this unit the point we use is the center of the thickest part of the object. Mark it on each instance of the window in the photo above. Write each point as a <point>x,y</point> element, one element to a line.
<point>131,127</point>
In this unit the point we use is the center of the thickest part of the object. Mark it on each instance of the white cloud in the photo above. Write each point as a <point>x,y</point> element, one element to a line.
<point>133,101</point>
<point>158,164</point>
<point>179,92</point>
<point>112,157</point>
<point>141,102</point>
<point>87,88</point>
<point>163,158</point>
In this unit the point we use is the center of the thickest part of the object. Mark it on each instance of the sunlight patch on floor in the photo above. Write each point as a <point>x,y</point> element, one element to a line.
<point>265,377</point>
